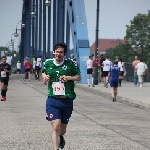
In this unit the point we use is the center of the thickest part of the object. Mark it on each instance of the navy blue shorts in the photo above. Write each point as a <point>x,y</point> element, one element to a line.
<point>114,84</point>
<point>59,108</point>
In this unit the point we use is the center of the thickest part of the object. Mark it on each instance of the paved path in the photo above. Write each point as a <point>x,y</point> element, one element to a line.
<point>128,92</point>
<point>96,122</point>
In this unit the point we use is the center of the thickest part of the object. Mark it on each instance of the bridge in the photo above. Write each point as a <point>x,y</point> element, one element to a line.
<point>46,22</point>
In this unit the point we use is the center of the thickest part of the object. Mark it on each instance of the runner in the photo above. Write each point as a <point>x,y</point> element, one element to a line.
<point>18,66</point>
<point>113,76</point>
<point>27,66</point>
<point>61,74</point>
<point>5,69</point>
<point>106,67</point>
<point>121,65</point>
<point>89,70</point>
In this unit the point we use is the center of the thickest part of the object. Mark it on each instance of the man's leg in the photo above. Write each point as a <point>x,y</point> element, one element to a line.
<point>55,133</point>
<point>3,91</point>
<point>115,92</point>
<point>29,75</point>
<point>88,79</point>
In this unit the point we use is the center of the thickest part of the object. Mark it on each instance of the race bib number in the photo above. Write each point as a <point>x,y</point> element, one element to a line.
<point>3,74</point>
<point>58,88</point>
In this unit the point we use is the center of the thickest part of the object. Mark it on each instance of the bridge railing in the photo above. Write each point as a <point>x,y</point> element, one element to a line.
<point>130,73</point>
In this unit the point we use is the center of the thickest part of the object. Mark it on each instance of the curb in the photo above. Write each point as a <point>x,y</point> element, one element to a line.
<point>108,95</point>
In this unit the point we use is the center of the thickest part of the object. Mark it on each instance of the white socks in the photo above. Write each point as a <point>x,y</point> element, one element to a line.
<point>88,81</point>
<point>92,80</point>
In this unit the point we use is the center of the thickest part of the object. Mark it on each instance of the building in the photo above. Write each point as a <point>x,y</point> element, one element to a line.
<point>106,44</point>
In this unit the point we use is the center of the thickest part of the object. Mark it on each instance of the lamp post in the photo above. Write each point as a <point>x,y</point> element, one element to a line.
<point>96,46</point>
<point>33,14</point>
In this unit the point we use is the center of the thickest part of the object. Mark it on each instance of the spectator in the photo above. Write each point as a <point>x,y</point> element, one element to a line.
<point>141,70</point>
<point>134,64</point>
<point>18,65</point>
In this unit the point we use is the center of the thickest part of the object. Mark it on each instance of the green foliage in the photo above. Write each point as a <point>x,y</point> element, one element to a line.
<point>123,51</point>
<point>138,35</point>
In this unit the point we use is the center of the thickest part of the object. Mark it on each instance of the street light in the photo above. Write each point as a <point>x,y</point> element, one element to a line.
<point>33,14</point>
<point>47,3</point>
<point>96,46</point>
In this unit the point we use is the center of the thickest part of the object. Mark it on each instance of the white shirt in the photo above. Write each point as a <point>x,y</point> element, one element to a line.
<point>141,68</point>
<point>9,59</point>
<point>18,65</point>
<point>120,66</point>
<point>34,63</point>
<point>89,64</point>
<point>39,62</point>
<point>106,65</point>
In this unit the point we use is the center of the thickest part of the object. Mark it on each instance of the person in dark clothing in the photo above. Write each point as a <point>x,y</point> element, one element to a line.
<point>5,70</point>
<point>101,64</point>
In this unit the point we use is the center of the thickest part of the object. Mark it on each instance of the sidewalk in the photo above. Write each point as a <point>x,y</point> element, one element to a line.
<point>128,92</point>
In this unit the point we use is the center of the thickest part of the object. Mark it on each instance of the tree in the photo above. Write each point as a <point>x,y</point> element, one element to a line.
<point>138,35</point>
<point>123,51</point>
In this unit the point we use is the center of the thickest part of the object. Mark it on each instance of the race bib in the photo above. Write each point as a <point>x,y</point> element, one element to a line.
<point>58,88</point>
<point>3,74</point>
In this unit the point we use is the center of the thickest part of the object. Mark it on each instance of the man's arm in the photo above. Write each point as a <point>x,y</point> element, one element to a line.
<point>46,78</point>
<point>72,78</point>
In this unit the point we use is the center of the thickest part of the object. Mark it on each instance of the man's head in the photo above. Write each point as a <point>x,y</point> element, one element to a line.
<point>136,58</point>
<point>3,59</point>
<point>60,50</point>
<point>107,57</point>
<point>90,57</point>
<point>141,60</point>
<point>115,63</point>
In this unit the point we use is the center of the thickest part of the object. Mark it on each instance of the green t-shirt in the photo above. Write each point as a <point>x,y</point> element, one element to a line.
<point>67,68</point>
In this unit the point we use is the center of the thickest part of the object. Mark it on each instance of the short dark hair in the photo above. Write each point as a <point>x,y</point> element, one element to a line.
<point>141,59</point>
<point>107,56</point>
<point>3,57</point>
<point>116,62</point>
<point>60,45</point>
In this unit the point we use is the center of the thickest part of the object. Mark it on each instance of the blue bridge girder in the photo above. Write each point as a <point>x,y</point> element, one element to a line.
<point>65,17</point>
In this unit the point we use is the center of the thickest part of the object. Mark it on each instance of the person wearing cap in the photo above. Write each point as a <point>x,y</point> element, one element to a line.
<point>18,65</point>
<point>113,77</point>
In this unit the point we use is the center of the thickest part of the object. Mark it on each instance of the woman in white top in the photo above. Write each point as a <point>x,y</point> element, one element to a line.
<point>141,68</point>
<point>121,65</point>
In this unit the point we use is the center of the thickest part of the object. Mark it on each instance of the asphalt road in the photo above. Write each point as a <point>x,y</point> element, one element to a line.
<point>96,122</point>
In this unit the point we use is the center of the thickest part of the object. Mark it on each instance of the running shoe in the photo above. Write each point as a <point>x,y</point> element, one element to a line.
<point>88,85</point>
<point>3,98</point>
<point>114,99</point>
<point>93,85</point>
<point>62,142</point>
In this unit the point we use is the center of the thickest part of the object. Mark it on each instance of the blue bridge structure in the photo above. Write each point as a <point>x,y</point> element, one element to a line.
<point>62,20</point>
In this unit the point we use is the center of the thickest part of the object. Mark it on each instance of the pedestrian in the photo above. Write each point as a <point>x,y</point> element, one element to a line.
<point>27,66</point>
<point>141,71</point>
<point>60,74</point>
<point>5,70</point>
<point>38,66</point>
<point>101,65</point>
<point>113,77</point>
<point>122,70</point>
<point>106,67</point>
<point>89,67</point>
<point>134,64</point>
<point>18,66</point>
<point>9,59</point>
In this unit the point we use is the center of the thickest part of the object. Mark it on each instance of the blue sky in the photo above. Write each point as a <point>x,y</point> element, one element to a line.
<point>114,16</point>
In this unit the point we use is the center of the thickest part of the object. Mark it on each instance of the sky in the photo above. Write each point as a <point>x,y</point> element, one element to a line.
<point>114,16</point>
